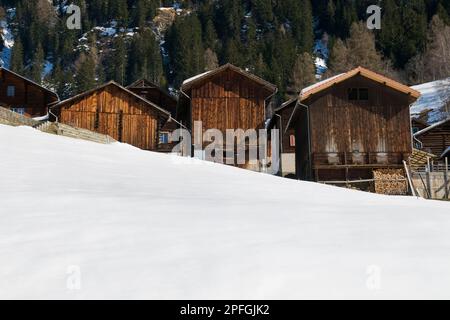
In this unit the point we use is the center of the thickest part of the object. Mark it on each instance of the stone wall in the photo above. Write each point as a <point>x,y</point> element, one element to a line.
<point>432,185</point>
<point>14,119</point>
<point>78,133</point>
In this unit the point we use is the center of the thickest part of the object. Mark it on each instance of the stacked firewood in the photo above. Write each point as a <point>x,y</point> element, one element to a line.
<point>390,181</point>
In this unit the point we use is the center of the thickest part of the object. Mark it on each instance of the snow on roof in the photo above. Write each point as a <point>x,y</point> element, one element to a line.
<point>307,92</point>
<point>268,85</point>
<point>434,97</point>
<point>437,124</point>
<point>318,84</point>
<point>196,77</point>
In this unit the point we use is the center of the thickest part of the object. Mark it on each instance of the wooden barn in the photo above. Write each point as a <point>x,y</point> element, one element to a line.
<point>435,139</point>
<point>24,96</point>
<point>155,94</point>
<point>225,98</point>
<point>352,125</point>
<point>118,112</point>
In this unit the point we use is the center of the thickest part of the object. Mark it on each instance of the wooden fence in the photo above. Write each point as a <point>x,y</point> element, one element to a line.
<point>433,180</point>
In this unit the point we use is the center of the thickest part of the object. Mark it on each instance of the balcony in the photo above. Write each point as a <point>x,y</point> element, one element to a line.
<point>358,159</point>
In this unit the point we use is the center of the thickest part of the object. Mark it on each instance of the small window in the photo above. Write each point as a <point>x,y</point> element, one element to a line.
<point>355,94</point>
<point>11,91</point>
<point>352,94</point>
<point>363,94</point>
<point>164,138</point>
<point>292,140</point>
<point>18,110</point>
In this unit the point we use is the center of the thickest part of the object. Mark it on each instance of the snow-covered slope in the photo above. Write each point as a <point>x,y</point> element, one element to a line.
<point>117,222</point>
<point>435,97</point>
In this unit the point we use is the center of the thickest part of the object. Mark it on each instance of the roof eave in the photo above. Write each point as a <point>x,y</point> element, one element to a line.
<point>120,87</point>
<point>267,85</point>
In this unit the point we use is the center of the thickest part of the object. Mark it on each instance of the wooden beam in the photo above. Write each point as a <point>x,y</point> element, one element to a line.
<point>411,184</point>
<point>447,196</point>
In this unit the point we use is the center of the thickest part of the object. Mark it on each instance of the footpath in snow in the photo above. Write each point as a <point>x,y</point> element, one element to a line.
<point>84,220</point>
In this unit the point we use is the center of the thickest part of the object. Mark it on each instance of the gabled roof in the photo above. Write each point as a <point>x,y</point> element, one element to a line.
<point>143,83</point>
<point>433,126</point>
<point>191,82</point>
<point>325,84</point>
<point>54,94</point>
<point>147,84</point>
<point>271,123</point>
<point>113,83</point>
<point>285,104</point>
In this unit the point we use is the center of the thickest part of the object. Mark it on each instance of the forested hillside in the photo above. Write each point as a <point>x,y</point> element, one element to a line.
<point>288,42</point>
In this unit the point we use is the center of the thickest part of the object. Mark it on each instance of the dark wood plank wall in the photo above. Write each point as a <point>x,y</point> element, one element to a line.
<point>116,113</point>
<point>229,101</point>
<point>437,140</point>
<point>158,97</point>
<point>285,116</point>
<point>29,96</point>
<point>381,124</point>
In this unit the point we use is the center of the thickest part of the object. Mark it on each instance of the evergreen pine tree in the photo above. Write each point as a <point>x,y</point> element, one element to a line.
<point>85,73</point>
<point>210,38</point>
<point>116,61</point>
<point>154,66</point>
<point>37,65</point>
<point>186,48</point>
<point>119,10</point>
<point>17,57</point>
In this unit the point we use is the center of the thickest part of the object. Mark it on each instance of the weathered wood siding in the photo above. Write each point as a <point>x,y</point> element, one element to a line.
<point>229,101</point>
<point>32,98</point>
<point>378,125</point>
<point>116,113</point>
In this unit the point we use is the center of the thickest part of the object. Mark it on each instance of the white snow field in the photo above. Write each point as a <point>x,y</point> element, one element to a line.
<point>80,220</point>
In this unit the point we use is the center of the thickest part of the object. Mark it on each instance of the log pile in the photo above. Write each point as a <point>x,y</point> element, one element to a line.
<point>390,181</point>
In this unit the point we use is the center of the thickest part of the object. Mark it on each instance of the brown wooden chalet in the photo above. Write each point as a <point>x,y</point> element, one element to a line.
<point>225,98</point>
<point>435,139</point>
<point>118,112</point>
<point>155,94</point>
<point>351,124</point>
<point>24,96</point>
